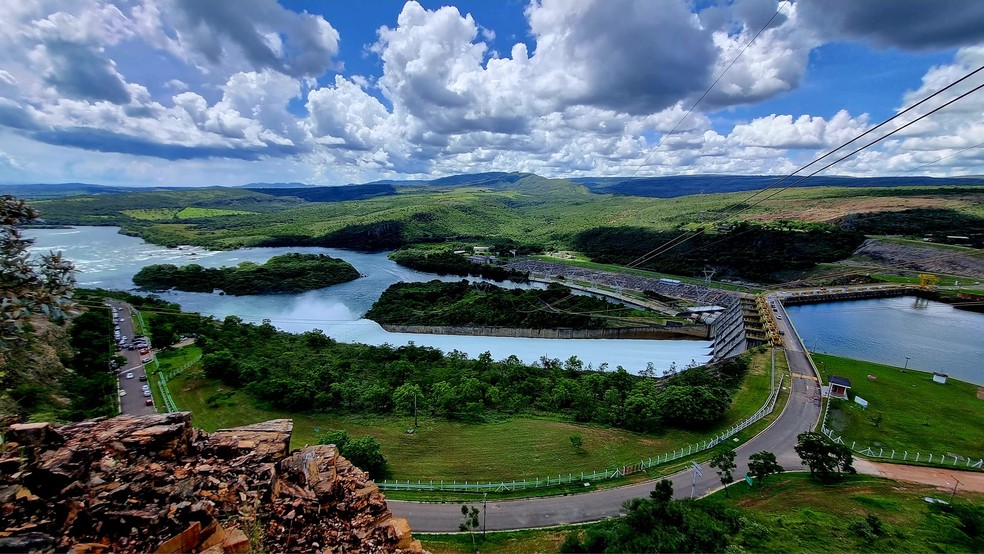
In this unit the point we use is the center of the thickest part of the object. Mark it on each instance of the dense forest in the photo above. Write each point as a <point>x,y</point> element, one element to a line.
<point>446,262</point>
<point>280,274</point>
<point>484,304</point>
<point>747,250</point>
<point>312,372</point>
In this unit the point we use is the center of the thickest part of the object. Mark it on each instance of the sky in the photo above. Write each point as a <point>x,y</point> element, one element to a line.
<point>227,92</point>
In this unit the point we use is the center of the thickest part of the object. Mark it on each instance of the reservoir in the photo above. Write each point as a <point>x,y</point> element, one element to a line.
<point>933,335</point>
<point>106,259</point>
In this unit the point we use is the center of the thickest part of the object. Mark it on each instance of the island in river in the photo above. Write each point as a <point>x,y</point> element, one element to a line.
<point>287,273</point>
<point>483,304</point>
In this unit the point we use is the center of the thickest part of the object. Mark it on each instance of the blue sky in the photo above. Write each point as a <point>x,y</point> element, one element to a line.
<point>183,92</point>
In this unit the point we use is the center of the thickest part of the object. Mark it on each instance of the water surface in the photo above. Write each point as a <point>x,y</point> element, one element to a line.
<point>933,335</point>
<point>106,259</point>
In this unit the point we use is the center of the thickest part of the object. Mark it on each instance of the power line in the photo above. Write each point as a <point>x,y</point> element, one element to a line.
<point>731,210</point>
<point>706,92</point>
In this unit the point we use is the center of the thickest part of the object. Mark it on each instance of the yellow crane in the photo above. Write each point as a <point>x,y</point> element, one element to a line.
<point>928,281</point>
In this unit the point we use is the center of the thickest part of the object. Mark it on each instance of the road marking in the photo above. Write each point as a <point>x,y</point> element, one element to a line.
<point>801,376</point>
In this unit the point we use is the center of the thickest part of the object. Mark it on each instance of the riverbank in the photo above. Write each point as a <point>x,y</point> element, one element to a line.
<point>655,332</point>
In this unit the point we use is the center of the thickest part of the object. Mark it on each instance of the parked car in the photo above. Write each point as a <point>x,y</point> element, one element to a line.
<point>149,402</point>
<point>129,375</point>
<point>146,360</point>
<point>147,393</point>
<point>122,392</point>
<point>143,377</point>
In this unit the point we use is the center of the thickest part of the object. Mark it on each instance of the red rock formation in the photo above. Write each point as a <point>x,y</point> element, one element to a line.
<point>155,484</point>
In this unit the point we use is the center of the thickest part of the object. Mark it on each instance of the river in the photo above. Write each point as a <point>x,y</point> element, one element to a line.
<point>933,335</point>
<point>107,259</point>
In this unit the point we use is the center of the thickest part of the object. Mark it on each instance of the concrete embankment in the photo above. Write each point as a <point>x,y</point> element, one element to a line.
<point>840,295</point>
<point>693,332</point>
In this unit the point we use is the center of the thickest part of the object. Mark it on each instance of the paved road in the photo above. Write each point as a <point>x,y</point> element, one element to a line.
<point>801,414</point>
<point>134,403</point>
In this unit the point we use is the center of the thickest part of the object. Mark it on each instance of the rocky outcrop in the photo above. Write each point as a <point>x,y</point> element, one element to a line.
<point>155,484</point>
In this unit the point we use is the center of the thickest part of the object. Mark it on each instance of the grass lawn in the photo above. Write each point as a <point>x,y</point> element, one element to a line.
<point>514,448</point>
<point>800,515</point>
<point>918,415</point>
<point>804,516</point>
<point>174,358</point>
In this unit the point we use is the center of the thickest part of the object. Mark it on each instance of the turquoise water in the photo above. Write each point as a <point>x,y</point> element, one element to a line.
<point>933,335</point>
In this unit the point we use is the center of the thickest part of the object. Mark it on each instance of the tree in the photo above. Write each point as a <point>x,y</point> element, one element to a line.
<point>338,437</point>
<point>762,464</point>
<point>844,457</point>
<point>470,522</point>
<point>406,398</point>
<point>27,287</point>
<point>662,493</point>
<point>724,464</point>
<point>365,454</point>
<point>577,441</point>
<point>823,457</point>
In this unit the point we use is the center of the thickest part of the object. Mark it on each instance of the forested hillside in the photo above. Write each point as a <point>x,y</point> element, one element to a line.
<point>536,214</point>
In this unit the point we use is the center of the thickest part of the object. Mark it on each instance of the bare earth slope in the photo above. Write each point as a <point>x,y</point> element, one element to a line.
<point>930,259</point>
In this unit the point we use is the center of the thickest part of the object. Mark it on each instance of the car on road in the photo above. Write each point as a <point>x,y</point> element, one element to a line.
<point>129,375</point>
<point>146,393</point>
<point>149,402</point>
<point>122,392</point>
<point>146,360</point>
<point>143,377</point>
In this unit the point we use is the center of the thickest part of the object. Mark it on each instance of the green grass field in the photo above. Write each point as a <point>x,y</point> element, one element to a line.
<point>514,448</point>
<point>799,516</point>
<point>195,213</point>
<point>151,214</point>
<point>917,414</point>
<point>174,358</point>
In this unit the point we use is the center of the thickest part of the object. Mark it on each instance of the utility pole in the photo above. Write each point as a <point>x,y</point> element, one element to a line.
<point>954,492</point>
<point>485,511</point>
<point>906,364</point>
<point>415,411</point>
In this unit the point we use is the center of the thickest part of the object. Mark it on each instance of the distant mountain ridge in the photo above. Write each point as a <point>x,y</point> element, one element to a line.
<point>654,187</point>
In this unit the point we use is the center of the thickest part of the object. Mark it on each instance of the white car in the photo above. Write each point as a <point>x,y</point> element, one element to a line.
<point>129,375</point>
<point>122,392</point>
<point>146,360</point>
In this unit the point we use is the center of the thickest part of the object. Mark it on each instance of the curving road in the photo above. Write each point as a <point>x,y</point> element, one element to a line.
<point>801,414</point>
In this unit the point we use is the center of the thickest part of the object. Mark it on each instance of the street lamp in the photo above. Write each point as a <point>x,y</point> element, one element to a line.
<point>906,363</point>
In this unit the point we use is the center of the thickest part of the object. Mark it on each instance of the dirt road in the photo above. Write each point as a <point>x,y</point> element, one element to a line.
<point>935,476</point>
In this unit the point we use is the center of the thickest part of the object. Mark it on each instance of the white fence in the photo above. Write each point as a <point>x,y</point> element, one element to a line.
<point>932,458</point>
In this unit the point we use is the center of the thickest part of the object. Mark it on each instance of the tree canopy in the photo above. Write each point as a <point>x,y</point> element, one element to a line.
<point>286,273</point>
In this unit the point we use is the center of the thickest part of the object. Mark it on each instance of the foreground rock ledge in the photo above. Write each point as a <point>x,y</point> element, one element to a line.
<point>155,484</point>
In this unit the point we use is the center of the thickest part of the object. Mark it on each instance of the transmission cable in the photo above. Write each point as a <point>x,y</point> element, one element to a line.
<point>743,204</point>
